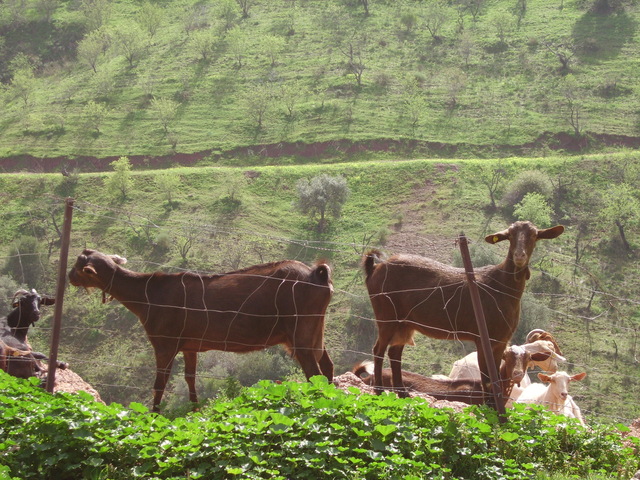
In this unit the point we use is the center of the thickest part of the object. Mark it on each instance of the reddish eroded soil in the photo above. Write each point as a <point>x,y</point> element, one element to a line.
<point>345,148</point>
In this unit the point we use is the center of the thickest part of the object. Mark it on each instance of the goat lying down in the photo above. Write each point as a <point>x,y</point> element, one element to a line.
<point>524,356</point>
<point>242,311</point>
<point>555,394</point>
<point>513,367</point>
<point>410,293</point>
<point>460,390</point>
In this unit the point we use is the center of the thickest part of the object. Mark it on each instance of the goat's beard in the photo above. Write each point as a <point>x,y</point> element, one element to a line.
<point>105,298</point>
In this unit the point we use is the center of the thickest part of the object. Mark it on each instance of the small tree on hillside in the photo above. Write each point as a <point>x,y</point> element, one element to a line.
<point>622,208</point>
<point>492,177</point>
<point>167,184</point>
<point>164,110</point>
<point>96,12</point>
<point>245,6</point>
<point>119,183</point>
<point>94,114</point>
<point>321,195</point>
<point>90,48</point>
<point>131,41</point>
<point>150,17</point>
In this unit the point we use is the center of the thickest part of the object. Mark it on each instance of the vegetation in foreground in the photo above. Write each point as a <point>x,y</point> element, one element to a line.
<point>296,430</point>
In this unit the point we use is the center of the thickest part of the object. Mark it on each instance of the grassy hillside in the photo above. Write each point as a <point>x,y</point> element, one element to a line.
<point>583,287</point>
<point>102,79</point>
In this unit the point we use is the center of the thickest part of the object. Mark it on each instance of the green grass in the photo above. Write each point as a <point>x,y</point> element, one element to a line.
<point>512,92</point>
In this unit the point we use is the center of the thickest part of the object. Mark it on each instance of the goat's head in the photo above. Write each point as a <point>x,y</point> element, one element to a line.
<point>27,305</point>
<point>544,355</point>
<point>94,269</point>
<point>539,334</point>
<point>516,361</point>
<point>559,382</point>
<point>522,238</point>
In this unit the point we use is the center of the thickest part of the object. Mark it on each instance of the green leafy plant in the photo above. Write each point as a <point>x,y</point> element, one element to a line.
<point>301,430</point>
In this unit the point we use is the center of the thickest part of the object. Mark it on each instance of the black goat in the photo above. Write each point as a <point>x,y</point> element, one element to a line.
<point>16,356</point>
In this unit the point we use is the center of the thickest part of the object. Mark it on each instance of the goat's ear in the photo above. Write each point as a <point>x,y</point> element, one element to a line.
<point>497,237</point>
<point>578,376</point>
<point>118,259</point>
<point>549,233</point>
<point>540,356</point>
<point>544,377</point>
<point>48,300</point>
<point>89,270</point>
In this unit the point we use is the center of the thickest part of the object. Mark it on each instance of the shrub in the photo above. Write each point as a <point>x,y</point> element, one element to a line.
<point>534,208</point>
<point>527,182</point>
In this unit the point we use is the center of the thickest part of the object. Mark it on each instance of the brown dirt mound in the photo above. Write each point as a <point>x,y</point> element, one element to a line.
<point>346,380</point>
<point>70,382</point>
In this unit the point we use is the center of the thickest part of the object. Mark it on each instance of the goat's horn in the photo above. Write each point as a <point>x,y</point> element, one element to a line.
<point>532,332</point>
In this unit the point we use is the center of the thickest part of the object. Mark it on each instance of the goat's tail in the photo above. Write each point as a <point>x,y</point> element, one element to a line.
<point>369,260</point>
<point>321,274</point>
<point>363,367</point>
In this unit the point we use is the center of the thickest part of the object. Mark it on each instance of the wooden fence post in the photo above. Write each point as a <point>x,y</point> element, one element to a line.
<point>62,280</point>
<point>485,341</point>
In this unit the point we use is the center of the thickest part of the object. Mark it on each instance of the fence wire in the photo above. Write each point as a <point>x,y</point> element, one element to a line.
<point>593,326</point>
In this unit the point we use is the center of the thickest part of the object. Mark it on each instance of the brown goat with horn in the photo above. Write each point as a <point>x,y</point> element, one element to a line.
<point>410,293</point>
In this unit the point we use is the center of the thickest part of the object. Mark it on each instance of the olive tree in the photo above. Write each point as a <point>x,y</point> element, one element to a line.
<point>321,195</point>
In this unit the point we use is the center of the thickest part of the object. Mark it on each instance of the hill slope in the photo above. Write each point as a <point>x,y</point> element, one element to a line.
<point>105,79</point>
<point>215,219</point>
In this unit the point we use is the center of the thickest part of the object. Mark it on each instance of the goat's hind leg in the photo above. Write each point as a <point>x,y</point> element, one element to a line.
<point>164,363</point>
<point>379,351</point>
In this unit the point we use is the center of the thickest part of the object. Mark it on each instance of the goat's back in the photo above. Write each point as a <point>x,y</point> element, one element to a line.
<point>244,310</point>
<point>433,298</point>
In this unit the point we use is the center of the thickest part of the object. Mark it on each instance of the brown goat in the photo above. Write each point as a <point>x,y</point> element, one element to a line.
<point>242,311</point>
<point>411,293</point>
<point>465,390</point>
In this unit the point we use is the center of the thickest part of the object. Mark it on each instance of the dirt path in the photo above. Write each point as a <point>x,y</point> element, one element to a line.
<point>344,148</point>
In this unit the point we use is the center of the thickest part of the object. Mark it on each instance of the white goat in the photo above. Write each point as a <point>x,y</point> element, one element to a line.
<point>555,395</point>
<point>539,353</point>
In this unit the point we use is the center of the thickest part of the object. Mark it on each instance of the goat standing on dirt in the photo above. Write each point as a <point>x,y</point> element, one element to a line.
<point>411,293</point>
<point>242,311</point>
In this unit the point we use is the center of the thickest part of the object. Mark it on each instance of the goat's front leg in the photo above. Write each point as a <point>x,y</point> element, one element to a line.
<point>307,360</point>
<point>164,363</point>
<point>395,359</point>
<point>379,350</point>
<point>190,364</point>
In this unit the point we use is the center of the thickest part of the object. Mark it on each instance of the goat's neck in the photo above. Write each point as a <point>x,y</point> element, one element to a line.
<point>509,274</point>
<point>552,400</point>
<point>125,285</point>
<point>21,331</point>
